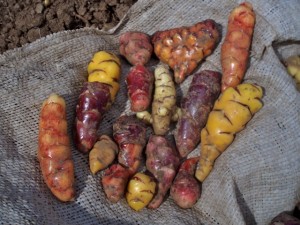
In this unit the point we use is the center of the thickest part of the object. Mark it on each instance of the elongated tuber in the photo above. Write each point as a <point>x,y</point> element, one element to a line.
<point>54,151</point>
<point>114,182</point>
<point>164,102</point>
<point>184,48</point>
<point>136,47</point>
<point>162,161</point>
<point>236,46</point>
<point>139,84</point>
<point>230,114</point>
<point>195,107</point>
<point>94,101</point>
<point>130,134</point>
<point>140,191</point>
<point>102,154</point>
<point>186,190</point>
<point>96,98</point>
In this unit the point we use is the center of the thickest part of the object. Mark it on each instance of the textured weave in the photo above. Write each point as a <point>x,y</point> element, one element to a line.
<point>253,180</point>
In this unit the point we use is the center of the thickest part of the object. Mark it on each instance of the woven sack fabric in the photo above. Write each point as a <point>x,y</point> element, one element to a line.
<point>256,178</point>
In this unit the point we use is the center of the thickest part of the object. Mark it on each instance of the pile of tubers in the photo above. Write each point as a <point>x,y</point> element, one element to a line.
<point>215,108</point>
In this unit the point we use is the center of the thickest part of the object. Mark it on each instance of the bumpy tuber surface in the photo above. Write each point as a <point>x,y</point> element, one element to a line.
<point>136,47</point>
<point>186,190</point>
<point>184,48</point>
<point>162,161</point>
<point>102,154</point>
<point>130,134</point>
<point>230,114</point>
<point>54,151</point>
<point>114,182</point>
<point>236,46</point>
<point>139,84</point>
<point>164,102</point>
<point>195,107</point>
<point>94,101</point>
<point>293,68</point>
<point>105,67</point>
<point>140,191</point>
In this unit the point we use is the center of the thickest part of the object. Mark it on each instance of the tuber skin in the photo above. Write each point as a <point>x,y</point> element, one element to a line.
<point>164,107</point>
<point>139,84</point>
<point>103,154</point>
<point>94,101</point>
<point>285,218</point>
<point>195,107</point>
<point>236,46</point>
<point>114,182</point>
<point>293,68</point>
<point>162,161</point>
<point>54,151</point>
<point>184,48</point>
<point>231,112</point>
<point>130,135</point>
<point>186,189</point>
<point>140,191</point>
<point>96,98</point>
<point>136,47</point>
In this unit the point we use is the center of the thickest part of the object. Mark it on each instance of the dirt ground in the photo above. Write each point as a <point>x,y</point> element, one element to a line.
<point>25,21</point>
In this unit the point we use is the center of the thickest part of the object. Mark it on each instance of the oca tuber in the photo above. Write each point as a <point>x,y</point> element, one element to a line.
<point>54,151</point>
<point>195,107</point>
<point>184,48</point>
<point>230,114</point>
<point>293,68</point>
<point>235,49</point>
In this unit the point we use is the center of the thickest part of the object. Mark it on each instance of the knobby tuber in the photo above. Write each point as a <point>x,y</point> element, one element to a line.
<point>140,191</point>
<point>139,84</point>
<point>114,182</point>
<point>195,107</point>
<point>236,46</point>
<point>54,151</point>
<point>102,154</point>
<point>162,161</point>
<point>130,134</point>
<point>164,102</point>
<point>186,189</point>
<point>231,112</point>
<point>184,48</point>
<point>136,47</point>
<point>96,98</point>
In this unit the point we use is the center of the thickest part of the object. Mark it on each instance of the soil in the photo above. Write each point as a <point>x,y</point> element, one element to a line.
<point>25,21</point>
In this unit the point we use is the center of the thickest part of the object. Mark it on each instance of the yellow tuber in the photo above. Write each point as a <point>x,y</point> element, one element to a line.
<point>293,68</point>
<point>230,114</point>
<point>103,154</point>
<point>140,191</point>
<point>164,109</point>
<point>105,68</point>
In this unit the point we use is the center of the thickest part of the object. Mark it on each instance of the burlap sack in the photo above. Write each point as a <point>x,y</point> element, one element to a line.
<point>255,179</point>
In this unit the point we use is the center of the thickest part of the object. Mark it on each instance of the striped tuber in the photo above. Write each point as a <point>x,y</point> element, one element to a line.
<point>236,46</point>
<point>54,151</point>
<point>96,98</point>
<point>130,135</point>
<point>102,154</point>
<point>184,48</point>
<point>114,182</point>
<point>140,191</point>
<point>186,189</point>
<point>195,107</point>
<point>136,47</point>
<point>139,84</point>
<point>162,161</point>
<point>164,107</point>
<point>230,114</point>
